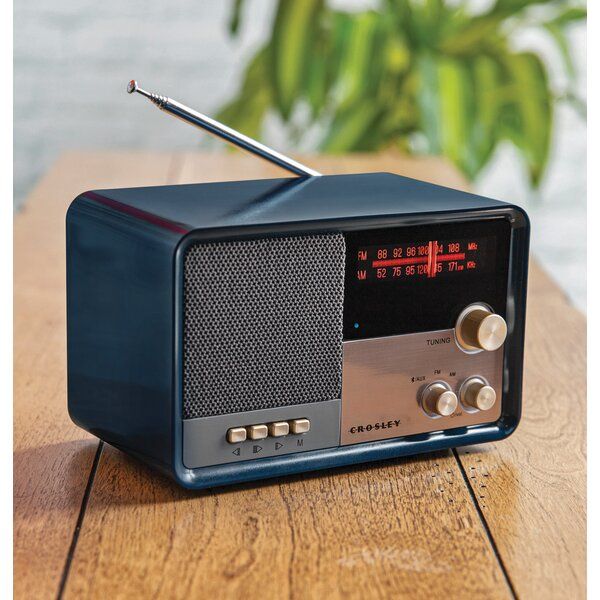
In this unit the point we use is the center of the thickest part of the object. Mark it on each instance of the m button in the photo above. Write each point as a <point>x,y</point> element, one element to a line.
<point>298,426</point>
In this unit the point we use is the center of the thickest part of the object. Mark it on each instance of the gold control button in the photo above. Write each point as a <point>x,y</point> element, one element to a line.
<point>438,399</point>
<point>299,426</point>
<point>477,328</point>
<point>235,435</point>
<point>476,393</point>
<point>257,432</point>
<point>279,428</point>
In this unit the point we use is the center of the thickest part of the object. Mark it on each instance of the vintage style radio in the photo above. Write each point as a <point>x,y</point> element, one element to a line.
<point>227,332</point>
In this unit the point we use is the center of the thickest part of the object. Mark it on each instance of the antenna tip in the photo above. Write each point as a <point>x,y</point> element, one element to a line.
<point>132,86</point>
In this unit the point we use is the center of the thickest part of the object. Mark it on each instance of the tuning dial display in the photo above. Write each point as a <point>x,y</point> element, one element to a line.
<point>438,399</point>
<point>478,328</point>
<point>475,393</point>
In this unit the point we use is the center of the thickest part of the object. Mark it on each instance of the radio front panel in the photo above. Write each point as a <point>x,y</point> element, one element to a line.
<point>397,332</point>
<point>385,381</point>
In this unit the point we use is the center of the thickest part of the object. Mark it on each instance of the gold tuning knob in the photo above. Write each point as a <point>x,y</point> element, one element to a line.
<point>476,393</point>
<point>438,399</point>
<point>478,328</point>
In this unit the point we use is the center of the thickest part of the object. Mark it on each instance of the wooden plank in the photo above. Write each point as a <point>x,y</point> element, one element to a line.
<point>52,457</point>
<point>405,527</point>
<point>531,488</point>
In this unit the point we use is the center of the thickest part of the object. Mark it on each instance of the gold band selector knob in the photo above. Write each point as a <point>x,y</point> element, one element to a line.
<point>476,393</point>
<point>438,399</point>
<point>478,328</point>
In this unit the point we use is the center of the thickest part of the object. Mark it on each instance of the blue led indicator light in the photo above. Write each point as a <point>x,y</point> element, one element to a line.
<point>355,325</point>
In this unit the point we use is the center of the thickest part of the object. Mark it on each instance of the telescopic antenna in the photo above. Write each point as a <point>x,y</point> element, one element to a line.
<point>227,133</point>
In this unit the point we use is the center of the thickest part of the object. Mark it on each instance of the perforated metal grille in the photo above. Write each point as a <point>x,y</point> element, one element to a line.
<point>262,323</point>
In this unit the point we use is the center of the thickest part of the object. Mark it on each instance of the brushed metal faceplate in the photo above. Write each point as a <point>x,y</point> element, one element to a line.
<point>383,378</point>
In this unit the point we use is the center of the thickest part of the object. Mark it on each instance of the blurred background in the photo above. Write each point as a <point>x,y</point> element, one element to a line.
<point>497,87</point>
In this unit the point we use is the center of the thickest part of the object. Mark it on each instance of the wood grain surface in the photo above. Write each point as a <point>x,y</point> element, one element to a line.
<point>52,457</point>
<point>407,528</point>
<point>498,520</point>
<point>531,487</point>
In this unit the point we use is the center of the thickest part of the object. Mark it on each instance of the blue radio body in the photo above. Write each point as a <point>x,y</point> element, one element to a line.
<point>150,373</point>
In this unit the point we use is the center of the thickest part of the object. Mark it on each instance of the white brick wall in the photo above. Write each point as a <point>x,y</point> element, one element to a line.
<point>73,59</point>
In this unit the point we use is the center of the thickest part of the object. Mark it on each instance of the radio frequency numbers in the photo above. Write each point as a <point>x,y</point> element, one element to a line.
<point>424,259</point>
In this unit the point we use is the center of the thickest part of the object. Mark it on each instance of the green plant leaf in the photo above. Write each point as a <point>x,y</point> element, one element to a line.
<point>423,75</point>
<point>487,78</point>
<point>317,84</point>
<point>361,66</point>
<point>561,41</point>
<point>247,110</point>
<point>528,114</point>
<point>457,111</point>
<point>427,20</point>
<point>427,101</point>
<point>556,28</point>
<point>401,117</point>
<point>349,130</point>
<point>512,7</point>
<point>570,15</point>
<point>467,40</point>
<point>325,59</point>
<point>234,21</point>
<point>294,32</point>
<point>459,108</point>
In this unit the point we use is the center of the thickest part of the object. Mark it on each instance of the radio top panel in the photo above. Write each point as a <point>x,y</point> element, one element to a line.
<point>357,201</point>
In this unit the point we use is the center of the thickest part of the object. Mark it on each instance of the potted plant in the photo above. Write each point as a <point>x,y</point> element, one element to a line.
<point>423,76</point>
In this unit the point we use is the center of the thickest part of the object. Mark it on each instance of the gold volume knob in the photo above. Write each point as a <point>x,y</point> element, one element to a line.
<point>438,399</point>
<point>478,328</point>
<point>476,393</point>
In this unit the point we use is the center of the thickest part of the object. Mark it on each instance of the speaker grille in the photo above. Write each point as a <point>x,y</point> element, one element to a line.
<point>262,323</point>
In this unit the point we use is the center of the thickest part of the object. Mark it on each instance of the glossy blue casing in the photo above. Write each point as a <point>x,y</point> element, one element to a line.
<point>124,303</point>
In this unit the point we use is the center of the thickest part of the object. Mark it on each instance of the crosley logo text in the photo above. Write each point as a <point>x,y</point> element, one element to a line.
<point>375,426</point>
<point>436,341</point>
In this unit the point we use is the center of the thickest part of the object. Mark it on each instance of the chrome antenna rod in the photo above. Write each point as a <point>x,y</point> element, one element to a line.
<point>219,130</point>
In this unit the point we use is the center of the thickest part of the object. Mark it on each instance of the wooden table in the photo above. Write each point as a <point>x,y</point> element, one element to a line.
<point>496,521</point>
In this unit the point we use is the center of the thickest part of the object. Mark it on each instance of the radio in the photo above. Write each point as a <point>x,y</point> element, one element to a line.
<point>228,332</point>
